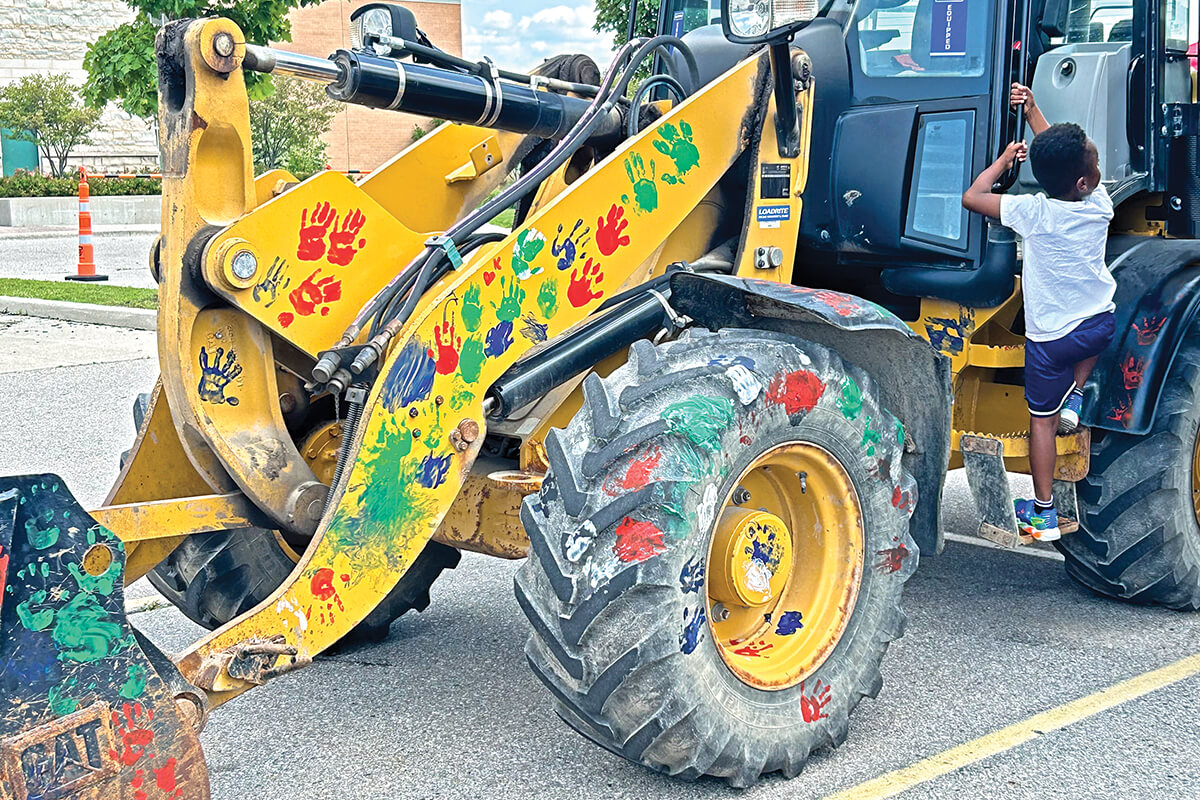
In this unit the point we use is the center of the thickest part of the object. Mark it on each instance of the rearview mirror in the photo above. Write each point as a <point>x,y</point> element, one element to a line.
<point>758,21</point>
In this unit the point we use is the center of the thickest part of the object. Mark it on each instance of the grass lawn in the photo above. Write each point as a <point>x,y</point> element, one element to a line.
<point>100,294</point>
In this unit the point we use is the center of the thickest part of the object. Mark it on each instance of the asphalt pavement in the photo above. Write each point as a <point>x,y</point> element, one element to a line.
<point>123,254</point>
<point>446,707</point>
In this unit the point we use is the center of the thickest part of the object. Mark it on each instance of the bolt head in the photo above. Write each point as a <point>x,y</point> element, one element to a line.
<point>223,44</point>
<point>244,265</point>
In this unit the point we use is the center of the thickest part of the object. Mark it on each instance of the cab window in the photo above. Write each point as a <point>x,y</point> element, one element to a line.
<point>922,38</point>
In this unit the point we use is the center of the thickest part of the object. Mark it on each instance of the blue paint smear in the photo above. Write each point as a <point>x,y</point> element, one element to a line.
<point>789,623</point>
<point>411,379</point>
<point>729,361</point>
<point>499,339</point>
<point>433,471</point>
<point>533,330</point>
<point>766,552</point>
<point>693,630</point>
<point>691,578</point>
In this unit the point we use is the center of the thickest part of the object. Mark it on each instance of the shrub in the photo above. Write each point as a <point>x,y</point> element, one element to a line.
<point>286,127</point>
<point>30,184</point>
<point>45,109</point>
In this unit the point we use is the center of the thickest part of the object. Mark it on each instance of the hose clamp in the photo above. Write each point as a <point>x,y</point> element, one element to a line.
<point>495,96</point>
<point>676,320</point>
<point>446,245</point>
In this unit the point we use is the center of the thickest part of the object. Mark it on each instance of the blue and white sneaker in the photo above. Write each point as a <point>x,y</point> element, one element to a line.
<point>1041,525</point>
<point>1068,415</point>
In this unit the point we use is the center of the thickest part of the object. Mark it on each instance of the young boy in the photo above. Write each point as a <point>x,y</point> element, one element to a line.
<point>1068,289</point>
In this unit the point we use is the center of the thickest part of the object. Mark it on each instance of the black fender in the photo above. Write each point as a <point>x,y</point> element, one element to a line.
<point>1157,298</point>
<point>914,379</point>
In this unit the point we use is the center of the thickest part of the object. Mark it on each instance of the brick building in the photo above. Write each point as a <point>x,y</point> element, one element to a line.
<point>53,35</point>
<point>363,138</point>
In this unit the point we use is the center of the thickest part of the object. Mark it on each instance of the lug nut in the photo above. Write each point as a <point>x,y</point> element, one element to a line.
<point>741,496</point>
<point>720,613</point>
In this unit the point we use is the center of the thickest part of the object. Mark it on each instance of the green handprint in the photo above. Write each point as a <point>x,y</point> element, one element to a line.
<point>851,401</point>
<point>547,298</point>
<point>104,582</point>
<point>472,309</point>
<point>510,303</point>
<point>470,361</point>
<point>529,243</point>
<point>42,538</point>
<point>34,613</point>
<point>679,148</point>
<point>645,193</point>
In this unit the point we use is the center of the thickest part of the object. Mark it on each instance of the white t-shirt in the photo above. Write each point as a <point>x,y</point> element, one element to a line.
<point>1064,278</point>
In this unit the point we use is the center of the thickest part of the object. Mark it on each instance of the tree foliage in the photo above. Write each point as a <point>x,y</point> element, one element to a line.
<point>121,66</point>
<point>286,127</point>
<point>612,16</point>
<point>46,109</point>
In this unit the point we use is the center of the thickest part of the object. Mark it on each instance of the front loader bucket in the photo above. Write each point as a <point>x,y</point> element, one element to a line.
<point>85,706</point>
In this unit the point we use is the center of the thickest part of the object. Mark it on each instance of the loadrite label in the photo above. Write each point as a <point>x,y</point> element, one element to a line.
<point>775,181</point>
<point>948,36</point>
<point>771,216</point>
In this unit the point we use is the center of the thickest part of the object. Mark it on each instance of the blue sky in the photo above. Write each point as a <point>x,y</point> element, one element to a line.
<point>519,34</point>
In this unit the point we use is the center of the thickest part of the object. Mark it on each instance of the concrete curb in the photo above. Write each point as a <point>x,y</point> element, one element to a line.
<point>143,319</point>
<point>59,231</point>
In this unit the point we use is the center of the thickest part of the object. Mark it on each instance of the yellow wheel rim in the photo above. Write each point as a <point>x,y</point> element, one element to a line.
<point>1196,478</point>
<point>784,565</point>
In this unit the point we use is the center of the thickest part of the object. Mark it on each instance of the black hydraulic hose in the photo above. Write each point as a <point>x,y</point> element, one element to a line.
<point>631,123</point>
<point>476,68</point>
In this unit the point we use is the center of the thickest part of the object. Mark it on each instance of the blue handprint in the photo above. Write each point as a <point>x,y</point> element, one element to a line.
<point>571,245</point>
<point>216,376</point>
<point>499,339</point>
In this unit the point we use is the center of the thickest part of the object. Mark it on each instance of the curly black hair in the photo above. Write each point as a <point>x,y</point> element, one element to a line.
<point>1058,156</point>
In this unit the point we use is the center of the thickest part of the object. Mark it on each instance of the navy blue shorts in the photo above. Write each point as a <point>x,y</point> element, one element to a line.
<point>1050,366</point>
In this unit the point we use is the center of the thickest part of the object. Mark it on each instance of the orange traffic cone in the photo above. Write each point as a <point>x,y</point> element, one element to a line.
<point>86,269</point>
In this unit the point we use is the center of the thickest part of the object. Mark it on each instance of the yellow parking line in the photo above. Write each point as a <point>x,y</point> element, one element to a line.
<point>893,783</point>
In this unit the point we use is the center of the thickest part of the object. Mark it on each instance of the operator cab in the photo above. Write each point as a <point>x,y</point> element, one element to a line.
<point>912,102</point>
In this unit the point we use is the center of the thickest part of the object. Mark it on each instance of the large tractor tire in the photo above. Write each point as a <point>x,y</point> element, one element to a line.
<point>1139,539</point>
<point>215,577</point>
<point>718,553</point>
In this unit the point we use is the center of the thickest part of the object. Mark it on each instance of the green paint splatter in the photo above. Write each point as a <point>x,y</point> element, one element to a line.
<point>60,704</point>
<point>472,309</point>
<point>851,401</point>
<point>547,298</point>
<point>899,431</point>
<point>85,632</point>
<point>135,682</point>
<point>470,360</point>
<point>32,617</point>
<point>870,437</point>
<point>701,419</point>
<point>645,193</point>
<point>678,147</point>
<point>42,538</point>
<point>510,303</point>
<point>461,400</point>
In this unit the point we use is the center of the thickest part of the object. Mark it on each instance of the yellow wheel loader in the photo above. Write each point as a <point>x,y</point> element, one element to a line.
<point>709,384</point>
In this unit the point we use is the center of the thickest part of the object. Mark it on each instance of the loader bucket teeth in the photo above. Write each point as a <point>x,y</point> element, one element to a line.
<point>83,711</point>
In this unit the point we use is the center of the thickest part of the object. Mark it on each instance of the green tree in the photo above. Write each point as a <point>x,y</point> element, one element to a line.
<point>46,109</point>
<point>121,65</point>
<point>286,127</point>
<point>612,16</point>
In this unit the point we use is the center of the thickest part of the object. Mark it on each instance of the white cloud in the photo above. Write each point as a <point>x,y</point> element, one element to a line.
<point>523,33</point>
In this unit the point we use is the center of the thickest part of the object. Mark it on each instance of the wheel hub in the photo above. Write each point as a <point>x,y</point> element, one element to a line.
<point>784,567</point>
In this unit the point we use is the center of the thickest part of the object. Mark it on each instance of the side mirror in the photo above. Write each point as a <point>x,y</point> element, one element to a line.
<point>374,22</point>
<point>763,21</point>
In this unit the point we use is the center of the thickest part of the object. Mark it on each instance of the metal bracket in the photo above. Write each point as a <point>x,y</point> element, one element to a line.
<point>1181,119</point>
<point>484,156</point>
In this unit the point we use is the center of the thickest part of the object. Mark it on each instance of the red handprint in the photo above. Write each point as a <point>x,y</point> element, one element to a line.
<point>312,235</point>
<point>323,589</point>
<point>1148,328</point>
<point>341,240</point>
<point>608,231</point>
<point>134,738</point>
<point>580,291</point>
<point>1122,412</point>
<point>448,346</point>
<point>755,649</point>
<point>812,707</point>
<point>311,294</point>
<point>165,780</point>
<point>840,303</point>
<point>891,559</point>
<point>1132,370</point>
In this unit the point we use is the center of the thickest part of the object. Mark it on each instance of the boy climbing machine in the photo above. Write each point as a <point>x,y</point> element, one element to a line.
<point>710,382</point>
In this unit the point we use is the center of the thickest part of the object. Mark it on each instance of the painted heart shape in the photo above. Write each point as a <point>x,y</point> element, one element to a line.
<point>488,277</point>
